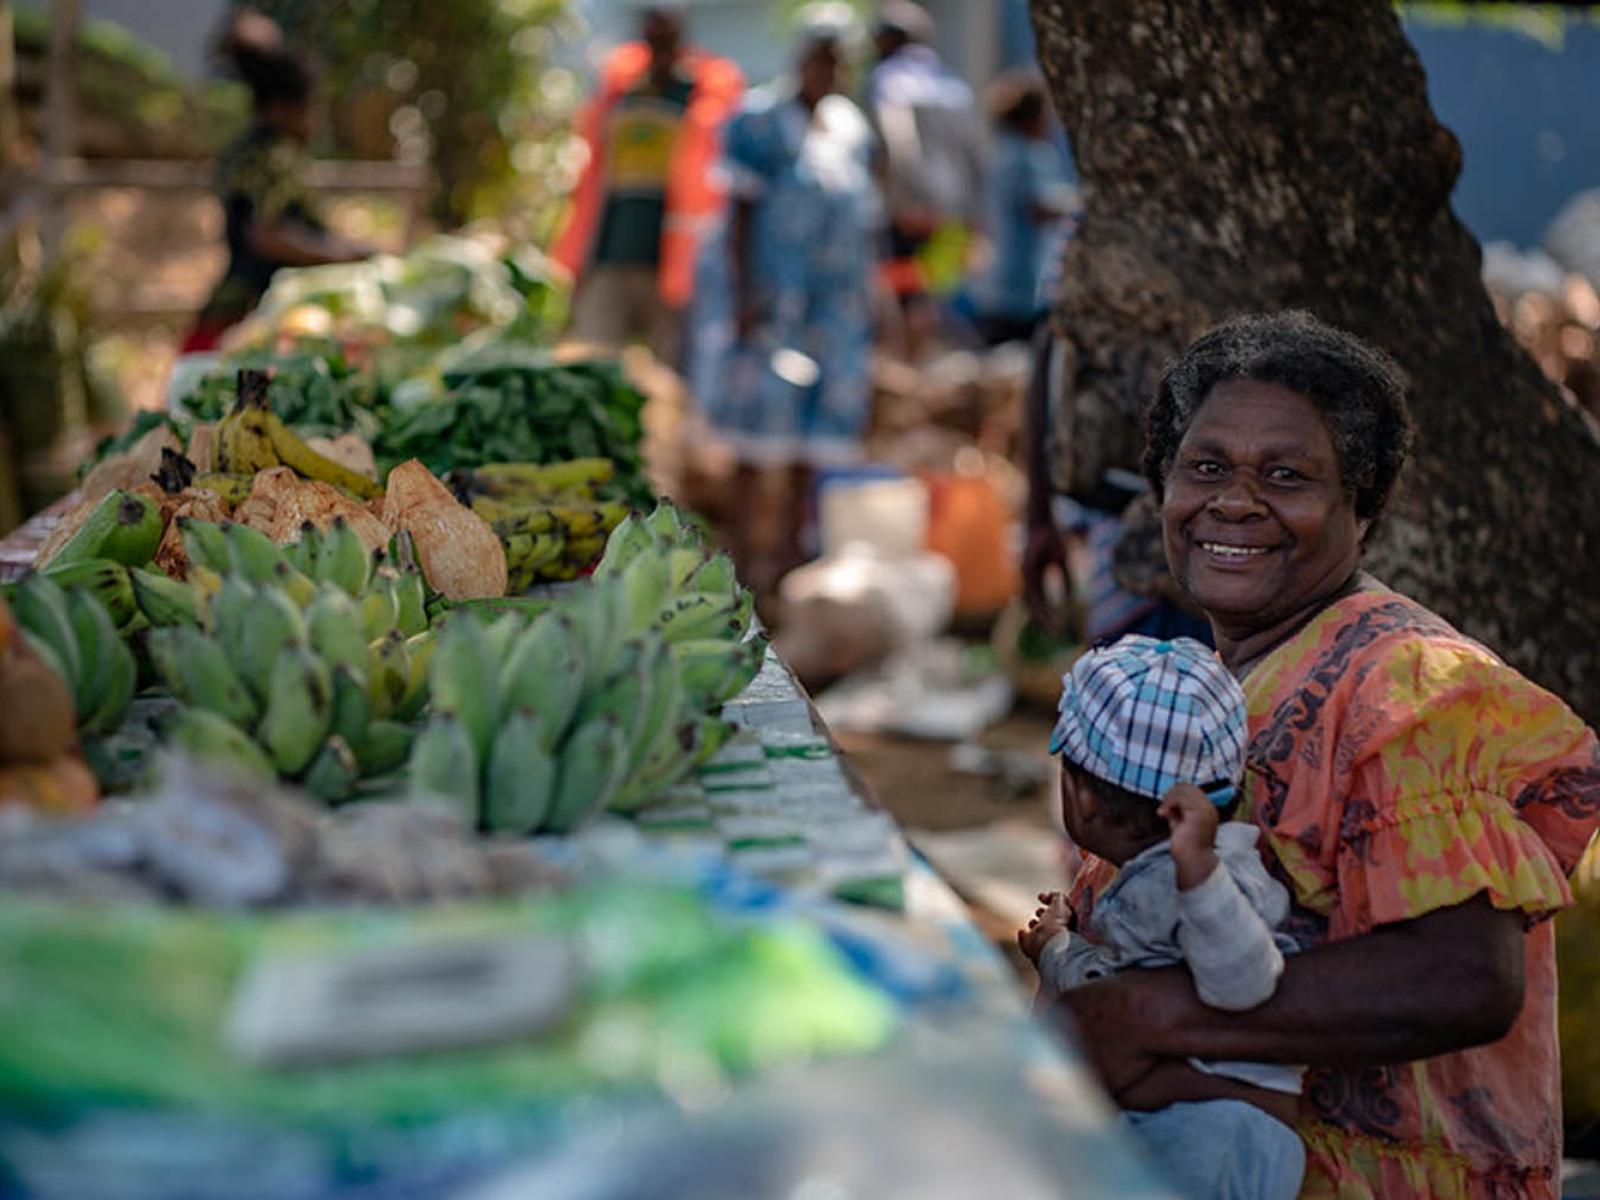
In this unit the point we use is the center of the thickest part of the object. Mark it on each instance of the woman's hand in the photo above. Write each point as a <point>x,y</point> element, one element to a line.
<point>1042,552</point>
<point>1114,1021</point>
<point>1052,917</point>
<point>1192,818</point>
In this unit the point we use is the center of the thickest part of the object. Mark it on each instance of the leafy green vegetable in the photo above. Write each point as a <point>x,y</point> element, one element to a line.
<point>309,391</point>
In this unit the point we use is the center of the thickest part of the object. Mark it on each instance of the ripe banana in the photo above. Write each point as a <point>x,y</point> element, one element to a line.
<point>162,599</point>
<point>196,668</point>
<point>299,710</point>
<point>498,479</point>
<point>232,490</point>
<point>294,453</point>
<point>215,739</point>
<point>590,769</point>
<point>443,769</point>
<point>519,784</point>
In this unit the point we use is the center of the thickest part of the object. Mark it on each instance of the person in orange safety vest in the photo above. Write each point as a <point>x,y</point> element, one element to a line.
<point>648,192</point>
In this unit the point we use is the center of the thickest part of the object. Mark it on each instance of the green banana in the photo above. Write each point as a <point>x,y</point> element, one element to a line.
<point>40,607</point>
<point>698,615</point>
<point>520,781</point>
<point>419,654</point>
<point>461,681</point>
<point>292,583</point>
<point>106,580</point>
<point>380,612</point>
<point>303,553</point>
<point>666,705</point>
<point>229,614</point>
<point>443,768</point>
<point>272,625</point>
<point>116,692</point>
<point>646,583</point>
<point>123,526</point>
<point>334,625</point>
<point>682,563</point>
<point>162,599</point>
<point>205,545</point>
<point>501,634</point>
<point>387,745</point>
<point>590,769</point>
<point>545,672</point>
<point>299,709</point>
<point>206,735</point>
<point>251,553</point>
<point>626,692</point>
<point>352,707</point>
<point>197,670</point>
<point>344,559</point>
<point>204,583</point>
<point>673,757</point>
<point>714,575</point>
<point>93,632</point>
<point>388,673</point>
<point>666,525</point>
<point>333,773</point>
<point>631,538</point>
<point>713,671</point>
<point>411,594</point>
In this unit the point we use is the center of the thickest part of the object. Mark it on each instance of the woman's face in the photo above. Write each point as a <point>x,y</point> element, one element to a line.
<point>819,71</point>
<point>1257,525</point>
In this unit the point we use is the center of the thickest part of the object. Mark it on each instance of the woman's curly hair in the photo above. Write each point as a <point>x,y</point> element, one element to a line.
<point>1360,391</point>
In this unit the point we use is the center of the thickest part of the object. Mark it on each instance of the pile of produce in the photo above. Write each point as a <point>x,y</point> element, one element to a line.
<point>603,701</point>
<point>552,519</point>
<point>520,406</point>
<point>311,393</point>
<point>40,707</point>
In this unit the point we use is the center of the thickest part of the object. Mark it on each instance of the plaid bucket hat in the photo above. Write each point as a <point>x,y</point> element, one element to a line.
<point>1144,715</point>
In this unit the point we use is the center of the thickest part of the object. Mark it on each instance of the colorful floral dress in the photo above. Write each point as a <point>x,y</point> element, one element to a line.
<point>1395,768</point>
<point>798,388</point>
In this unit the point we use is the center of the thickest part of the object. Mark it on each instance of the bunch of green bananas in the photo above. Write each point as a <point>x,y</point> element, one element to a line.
<point>604,701</point>
<point>302,662</point>
<point>553,518</point>
<point>74,634</point>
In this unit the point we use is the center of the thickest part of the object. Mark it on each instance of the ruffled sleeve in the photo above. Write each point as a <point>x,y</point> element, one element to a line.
<point>1464,778</point>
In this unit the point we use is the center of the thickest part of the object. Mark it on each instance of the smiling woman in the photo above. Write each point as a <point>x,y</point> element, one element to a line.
<point>1423,801</point>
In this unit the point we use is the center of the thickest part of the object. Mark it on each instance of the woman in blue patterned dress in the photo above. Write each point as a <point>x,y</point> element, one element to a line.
<point>782,329</point>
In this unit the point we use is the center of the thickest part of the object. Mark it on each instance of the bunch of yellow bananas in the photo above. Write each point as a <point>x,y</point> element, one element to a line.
<point>550,516</point>
<point>253,438</point>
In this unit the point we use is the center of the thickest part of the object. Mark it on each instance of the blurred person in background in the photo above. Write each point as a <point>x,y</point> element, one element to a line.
<point>1030,206</point>
<point>271,217</point>
<point>782,331</point>
<point>647,193</point>
<point>932,139</point>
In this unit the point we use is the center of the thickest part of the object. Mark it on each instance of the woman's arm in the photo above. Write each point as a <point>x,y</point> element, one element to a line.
<point>1442,982</point>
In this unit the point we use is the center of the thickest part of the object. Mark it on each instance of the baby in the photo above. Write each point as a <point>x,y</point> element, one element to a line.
<point>1152,737</point>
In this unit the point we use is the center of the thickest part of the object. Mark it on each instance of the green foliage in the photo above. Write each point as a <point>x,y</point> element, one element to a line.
<point>466,85</point>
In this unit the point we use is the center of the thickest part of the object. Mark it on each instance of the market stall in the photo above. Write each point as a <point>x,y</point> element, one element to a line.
<point>409,804</point>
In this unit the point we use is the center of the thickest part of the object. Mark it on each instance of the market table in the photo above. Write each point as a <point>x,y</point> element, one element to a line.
<point>968,1094</point>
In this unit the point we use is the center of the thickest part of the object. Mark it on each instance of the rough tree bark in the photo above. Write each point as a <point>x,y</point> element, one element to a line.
<point>1241,155</point>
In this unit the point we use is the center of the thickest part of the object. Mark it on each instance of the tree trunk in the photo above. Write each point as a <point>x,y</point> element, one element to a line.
<point>1250,156</point>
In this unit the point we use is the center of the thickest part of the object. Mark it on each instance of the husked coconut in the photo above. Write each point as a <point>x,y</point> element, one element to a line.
<point>460,554</point>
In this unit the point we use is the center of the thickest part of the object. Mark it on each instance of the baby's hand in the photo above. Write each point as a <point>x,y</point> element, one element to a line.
<point>1053,916</point>
<point>1192,818</point>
